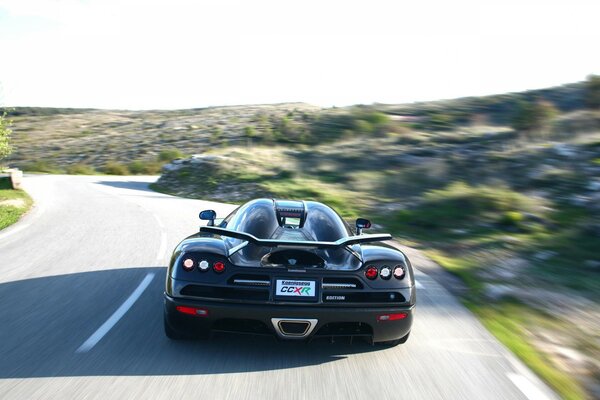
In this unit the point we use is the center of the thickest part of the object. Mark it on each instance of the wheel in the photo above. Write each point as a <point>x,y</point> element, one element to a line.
<point>393,343</point>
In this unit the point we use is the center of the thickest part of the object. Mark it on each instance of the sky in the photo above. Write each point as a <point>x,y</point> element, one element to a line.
<point>171,54</point>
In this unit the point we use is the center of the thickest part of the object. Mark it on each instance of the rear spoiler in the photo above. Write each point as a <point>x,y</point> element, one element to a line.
<point>343,242</point>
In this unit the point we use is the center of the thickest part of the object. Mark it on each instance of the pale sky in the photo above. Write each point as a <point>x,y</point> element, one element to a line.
<point>182,54</point>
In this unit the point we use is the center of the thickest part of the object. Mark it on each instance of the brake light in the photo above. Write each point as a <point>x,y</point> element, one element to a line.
<point>188,264</point>
<point>218,267</point>
<point>371,273</point>
<point>398,272</point>
<point>391,317</point>
<point>200,312</point>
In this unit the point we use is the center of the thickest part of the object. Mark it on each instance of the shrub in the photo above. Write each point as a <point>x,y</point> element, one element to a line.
<point>115,168</point>
<point>42,166</point>
<point>533,117</point>
<point>169,155</point>
<point>80,169</point>
<point>5,132</point>
<point>460,204</point>
<point>592,91</point>
<point>511,219</point>
<point>140,167</point>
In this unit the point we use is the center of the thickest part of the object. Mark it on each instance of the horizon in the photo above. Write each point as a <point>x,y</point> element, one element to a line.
<point>293,102</point>
<point>177,55</point>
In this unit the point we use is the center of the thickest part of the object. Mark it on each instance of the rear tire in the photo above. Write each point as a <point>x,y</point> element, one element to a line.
<point>393,343</point>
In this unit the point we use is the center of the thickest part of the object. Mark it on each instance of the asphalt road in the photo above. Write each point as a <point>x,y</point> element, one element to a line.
<point>81,282</point>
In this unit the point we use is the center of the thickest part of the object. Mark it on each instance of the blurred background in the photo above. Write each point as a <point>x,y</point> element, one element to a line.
<point>469,131</point>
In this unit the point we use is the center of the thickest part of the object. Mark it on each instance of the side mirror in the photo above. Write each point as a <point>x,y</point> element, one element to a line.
<point>208,215</point>
<point>362,223</point>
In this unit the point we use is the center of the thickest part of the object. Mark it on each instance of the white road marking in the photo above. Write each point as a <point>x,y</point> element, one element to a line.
<point>162,249</point>
<point>117,315</point>
<point>160,224</point>
<point>527,387</point>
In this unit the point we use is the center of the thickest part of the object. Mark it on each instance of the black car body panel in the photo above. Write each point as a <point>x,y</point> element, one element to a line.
<point>278,267</point>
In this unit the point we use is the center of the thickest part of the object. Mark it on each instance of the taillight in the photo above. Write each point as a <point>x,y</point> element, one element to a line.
<point>188,264</point>
<point>218,267</point>
<point>200,312</point>
<point>385,272</point>
<point>203,265</point>
<point>398,272</point>
<point>391,317</point>
<point>371,273</point>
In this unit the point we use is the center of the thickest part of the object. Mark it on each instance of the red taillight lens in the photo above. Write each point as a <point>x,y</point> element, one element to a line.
<point>391,317</point>
<point>188,264</point>
<point>218,267</point>
<point>371,273</point>
<point>398,272</point>
<point>200,312</point>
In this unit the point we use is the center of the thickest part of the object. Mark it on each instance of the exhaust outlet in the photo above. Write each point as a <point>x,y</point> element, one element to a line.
<point>293,328</point>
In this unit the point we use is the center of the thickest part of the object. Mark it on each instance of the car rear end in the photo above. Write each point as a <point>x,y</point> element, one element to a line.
<point>206,293</point>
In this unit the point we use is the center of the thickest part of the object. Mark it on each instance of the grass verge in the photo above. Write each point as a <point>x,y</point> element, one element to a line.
<point>511,322</point>
<point>13,203</point>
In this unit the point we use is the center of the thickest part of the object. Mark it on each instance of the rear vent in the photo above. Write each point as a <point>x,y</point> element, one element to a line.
<point>250,280</point>
<point>241,326</point>
<point>341,283</point>
<point>345,329</point>
<point>293,258</point>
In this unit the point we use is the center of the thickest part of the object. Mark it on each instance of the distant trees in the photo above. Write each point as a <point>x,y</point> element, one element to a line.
<point>5,132</point>
<point>533,118</point>
<point>592,92</point>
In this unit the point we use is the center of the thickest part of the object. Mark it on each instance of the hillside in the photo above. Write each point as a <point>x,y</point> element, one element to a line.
<point>502,191</point>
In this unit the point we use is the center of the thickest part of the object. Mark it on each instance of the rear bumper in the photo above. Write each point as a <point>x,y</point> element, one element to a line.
<point>262,319</point>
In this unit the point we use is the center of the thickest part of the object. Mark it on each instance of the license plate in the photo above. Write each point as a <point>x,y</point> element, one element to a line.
<point>295,288</point>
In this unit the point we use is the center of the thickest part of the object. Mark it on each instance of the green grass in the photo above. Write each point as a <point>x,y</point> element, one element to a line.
<point>460,204</point>
<point>43,166</point>
<point>10,213</point>
<point>81,169</point>
<point>510,321</point>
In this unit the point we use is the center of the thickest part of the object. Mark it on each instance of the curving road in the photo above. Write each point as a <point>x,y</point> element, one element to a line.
<point>81,281</point>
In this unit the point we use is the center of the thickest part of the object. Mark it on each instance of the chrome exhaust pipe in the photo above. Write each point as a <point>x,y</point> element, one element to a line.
<point>293,328</point>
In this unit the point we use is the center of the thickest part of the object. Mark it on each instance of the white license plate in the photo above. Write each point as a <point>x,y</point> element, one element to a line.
<point>295,288</point>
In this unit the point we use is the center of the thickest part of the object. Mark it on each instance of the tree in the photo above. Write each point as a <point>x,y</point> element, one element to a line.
<point>592,92</point>
<point>533,117</point>
<point>5,131</point>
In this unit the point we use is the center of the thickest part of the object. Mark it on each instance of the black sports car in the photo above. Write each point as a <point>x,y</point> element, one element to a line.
<point>288,268</point>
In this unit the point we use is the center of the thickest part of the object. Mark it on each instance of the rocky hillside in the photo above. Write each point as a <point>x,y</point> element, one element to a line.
<point>503,191</point>
<point>53,140</point>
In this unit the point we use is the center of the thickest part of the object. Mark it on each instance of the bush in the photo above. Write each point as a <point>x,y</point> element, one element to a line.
<point>41,166</point>
<point>80,169</point>
<point>139,167</point>
<point>169,155</point>
<point>115,168</point>
<point>5,132</point>
<point>511,219</point>
<point>592,92</point>
<point>460,204</point>
<point>533,117</point>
